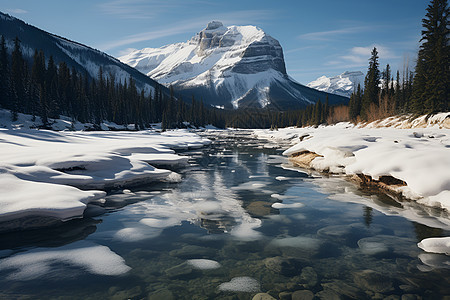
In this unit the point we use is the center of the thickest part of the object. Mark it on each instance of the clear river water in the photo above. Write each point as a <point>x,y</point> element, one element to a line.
<point>241,221</point>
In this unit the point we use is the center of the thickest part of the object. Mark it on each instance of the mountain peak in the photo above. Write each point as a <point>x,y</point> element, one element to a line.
<point>213,25</point>
<point>342,84</point>
<point>234,66</point>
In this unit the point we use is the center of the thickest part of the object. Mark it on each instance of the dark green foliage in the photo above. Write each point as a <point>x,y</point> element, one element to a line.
<point>4,73</point>
<point>371,89</point>
<point>431,81</point>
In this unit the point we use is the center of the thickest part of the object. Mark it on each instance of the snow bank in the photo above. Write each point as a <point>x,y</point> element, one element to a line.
<point>436,245</point>
<point>419,157</point>
<point>42,172</point>
<point>95,259</point>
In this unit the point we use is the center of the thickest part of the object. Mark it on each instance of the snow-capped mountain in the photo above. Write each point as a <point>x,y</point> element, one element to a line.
<point>83,58</point>
<point>342,85</point>
<point>234,66</point>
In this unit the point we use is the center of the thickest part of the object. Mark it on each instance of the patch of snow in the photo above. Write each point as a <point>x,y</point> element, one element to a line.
<point>42,171</point>
<point>203,264</point>
<point>289,205</point>
<point>418,157</point>
<point>436,245</point>
<point>95,259</point>
<point>343,84</point>
<point>240,284</point>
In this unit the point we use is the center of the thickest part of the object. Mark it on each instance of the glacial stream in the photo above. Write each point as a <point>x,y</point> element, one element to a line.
<point>241,221</point>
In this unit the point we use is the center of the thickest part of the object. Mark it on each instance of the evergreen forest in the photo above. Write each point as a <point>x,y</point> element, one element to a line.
<point>48,89</point>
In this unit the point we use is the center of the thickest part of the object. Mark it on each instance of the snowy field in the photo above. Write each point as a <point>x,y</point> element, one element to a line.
<point>418,156</point>
<point>56,174</point>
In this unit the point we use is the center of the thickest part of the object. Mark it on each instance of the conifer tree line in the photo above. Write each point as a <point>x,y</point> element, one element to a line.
<point>425,91</point>
<point>47,90</point>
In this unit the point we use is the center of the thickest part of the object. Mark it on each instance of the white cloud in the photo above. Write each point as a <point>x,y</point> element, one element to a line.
<point>332,34</point>
<point>17,11</point>
<point>359,56</point>
<point>192,25</point>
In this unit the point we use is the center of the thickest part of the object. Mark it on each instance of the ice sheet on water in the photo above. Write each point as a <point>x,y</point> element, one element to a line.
<point>241,284</point>
<point>433,261</point>
<point>289,205</point>
<point>203,264</point>
<point>302,242</point>
<point>436,245</point>
<point>250,185</point>
<point>92,258</point>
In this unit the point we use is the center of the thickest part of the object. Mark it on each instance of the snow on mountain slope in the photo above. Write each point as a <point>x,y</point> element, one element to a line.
<point>234,66</point>
<point>83,58</point>
<point>342,84</point>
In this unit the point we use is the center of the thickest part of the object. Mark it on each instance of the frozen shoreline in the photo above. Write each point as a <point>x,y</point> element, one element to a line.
<point>419,156</point>
<point>56,174</point>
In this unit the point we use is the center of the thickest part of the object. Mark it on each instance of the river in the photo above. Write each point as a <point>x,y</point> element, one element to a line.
<point>241,221</point>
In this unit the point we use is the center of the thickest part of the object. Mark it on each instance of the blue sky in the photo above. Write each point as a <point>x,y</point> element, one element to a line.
<point>319,38</point>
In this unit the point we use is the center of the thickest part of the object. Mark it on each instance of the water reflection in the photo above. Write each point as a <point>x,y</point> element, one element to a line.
<point>241,222</point>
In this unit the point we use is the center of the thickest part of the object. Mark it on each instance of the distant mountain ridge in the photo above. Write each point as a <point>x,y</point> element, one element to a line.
<point>81,57</point>
<point>342,84</point>
<point>233,67</point>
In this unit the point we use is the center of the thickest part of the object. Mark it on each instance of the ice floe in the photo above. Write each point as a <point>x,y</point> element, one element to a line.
<point>93,258</point>
<point>436,245</point>
<point>203,264</point>
<point>240,284</point>
<point>288,205</point>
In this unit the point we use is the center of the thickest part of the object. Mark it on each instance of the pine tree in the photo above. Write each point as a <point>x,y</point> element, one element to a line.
<point>431,88</point>
<point>17,78</point>
<point>371,88</point>
<point>4,74</point>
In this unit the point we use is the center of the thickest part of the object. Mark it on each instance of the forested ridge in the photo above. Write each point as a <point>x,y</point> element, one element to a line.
<point>48,89</point>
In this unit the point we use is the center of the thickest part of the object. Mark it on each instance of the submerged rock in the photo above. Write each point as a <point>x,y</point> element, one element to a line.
<point>161,294</point>
<point>192,251</point>
<point>309,277</point>
<point>283,266</point>
<point>263,296</point>
<point>178,271</point>
<point>373,281</point>
<point>302,295</point>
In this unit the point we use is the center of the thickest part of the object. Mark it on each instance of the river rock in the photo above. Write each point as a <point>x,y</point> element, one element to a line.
<point>178,271</point>
<point>338,288</point>
<point>192,251</point>
<point>161,294</point>
<point>263,296</point>
<point>283,266</point>
<point>373,281</point>
<point>302,295</point>
<point>260,208</point>
<point>285,296</point>
<point>309,277</point>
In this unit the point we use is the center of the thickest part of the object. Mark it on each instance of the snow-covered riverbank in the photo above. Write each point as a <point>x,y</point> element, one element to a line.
<point>42,173</point>
<point>419,157</point>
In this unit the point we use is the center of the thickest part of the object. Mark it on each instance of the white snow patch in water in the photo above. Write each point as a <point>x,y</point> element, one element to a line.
<point>93,258</point>
<point>203,264</point>
<point>302,242</point>
<point>289,205</point>
<point>436,245</point>
<point>240,284</point>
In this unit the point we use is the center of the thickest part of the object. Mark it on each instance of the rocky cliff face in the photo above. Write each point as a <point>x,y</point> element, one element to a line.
<point>235,66</point>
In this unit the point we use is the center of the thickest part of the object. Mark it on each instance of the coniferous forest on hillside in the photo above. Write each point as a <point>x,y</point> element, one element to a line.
<point>49,89</point>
